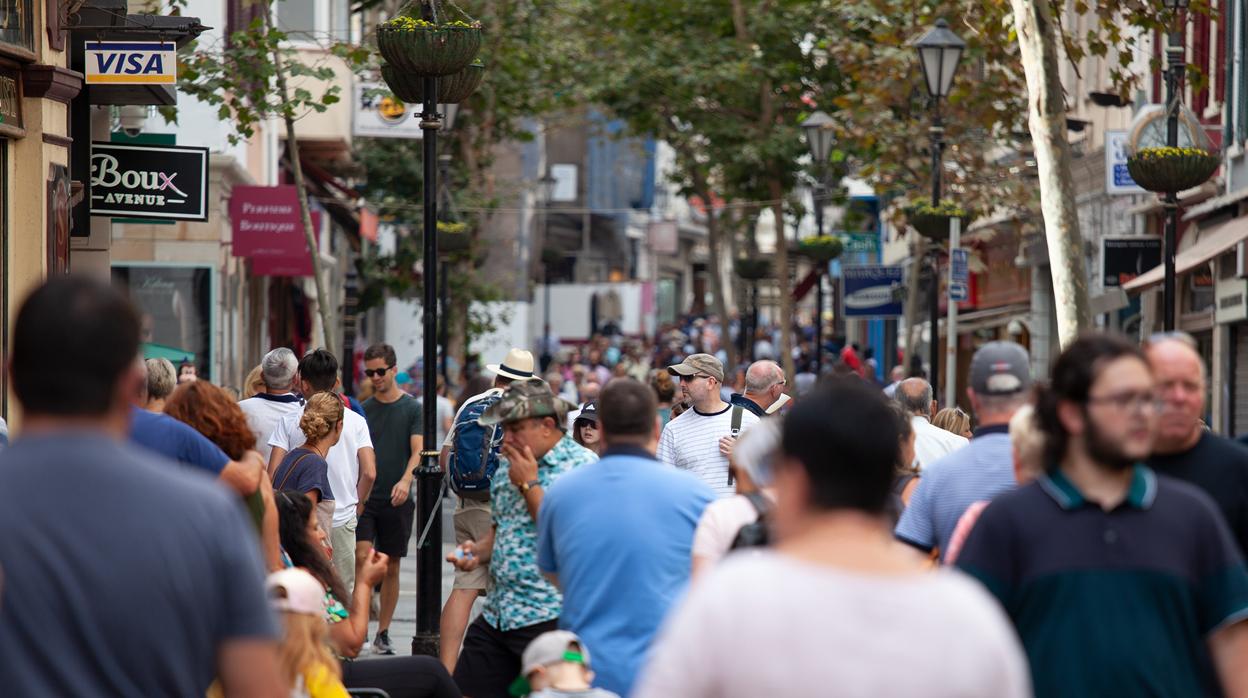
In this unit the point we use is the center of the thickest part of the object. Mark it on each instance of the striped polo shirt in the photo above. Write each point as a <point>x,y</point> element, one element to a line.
<point>1115,602</point>
<point>977,472</point>
<point>691,442</point>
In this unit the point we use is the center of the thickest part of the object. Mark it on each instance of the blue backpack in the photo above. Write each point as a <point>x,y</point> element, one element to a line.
<point>474,457</point>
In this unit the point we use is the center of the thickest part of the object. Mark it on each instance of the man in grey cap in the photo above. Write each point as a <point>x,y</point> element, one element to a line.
<point>1000,380</point>
<point>692,441</point>
<point>520,604</point>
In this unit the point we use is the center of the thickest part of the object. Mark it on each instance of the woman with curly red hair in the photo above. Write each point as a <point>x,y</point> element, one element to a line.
<point>211,412</point>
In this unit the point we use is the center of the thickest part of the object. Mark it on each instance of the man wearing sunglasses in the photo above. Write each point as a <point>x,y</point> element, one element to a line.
<point>692,440</point>
<point>395,424</point>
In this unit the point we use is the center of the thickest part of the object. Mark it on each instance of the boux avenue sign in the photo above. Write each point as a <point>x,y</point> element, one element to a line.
<point>149,181</point>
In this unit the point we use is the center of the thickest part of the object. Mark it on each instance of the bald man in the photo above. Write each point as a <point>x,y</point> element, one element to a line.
<point>1184,449</point>
<point>764,384</point>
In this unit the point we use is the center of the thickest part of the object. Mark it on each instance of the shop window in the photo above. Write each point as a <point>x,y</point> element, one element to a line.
<point>17,24</point>
<point>298,19</point>
<point>1199,289</point>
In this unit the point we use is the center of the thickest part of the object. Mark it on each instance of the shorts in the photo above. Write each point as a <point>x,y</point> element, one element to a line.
<point>472,522</point>
<point>343,541</point>
<point>387,527</point>
<point>490,660</point>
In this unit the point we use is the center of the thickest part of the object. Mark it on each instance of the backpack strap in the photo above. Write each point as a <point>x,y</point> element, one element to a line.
<point>760,503</point>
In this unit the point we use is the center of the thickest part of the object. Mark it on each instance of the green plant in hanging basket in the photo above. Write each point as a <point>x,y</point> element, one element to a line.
<point>426,49</point>
<point>932,222</point>
<point>752,269</point>
<point>1167,170</point>
<point>452,89</point>
<point>820,248</point>
<point>453,237</point>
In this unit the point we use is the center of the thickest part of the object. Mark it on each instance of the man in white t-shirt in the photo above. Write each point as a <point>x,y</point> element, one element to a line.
<point>835,606</point>
<point>931,443</point>
<point>266,409</point>
<point>352,463</point>
<point>700,440</point>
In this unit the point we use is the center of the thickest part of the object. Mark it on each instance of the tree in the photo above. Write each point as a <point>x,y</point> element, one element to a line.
<point>247,80</point>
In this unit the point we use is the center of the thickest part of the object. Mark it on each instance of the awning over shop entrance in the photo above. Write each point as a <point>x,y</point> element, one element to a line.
<point>1211,243</point>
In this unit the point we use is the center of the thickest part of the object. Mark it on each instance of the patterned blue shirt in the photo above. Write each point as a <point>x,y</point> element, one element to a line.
<point>520,596</point>
<point>979,471</point>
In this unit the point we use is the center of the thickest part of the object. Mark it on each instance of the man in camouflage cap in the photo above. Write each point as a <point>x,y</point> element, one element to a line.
<point>520,604</point>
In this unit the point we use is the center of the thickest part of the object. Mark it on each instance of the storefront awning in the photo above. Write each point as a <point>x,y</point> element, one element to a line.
<point>1215,203</point>
<point>1211,243</point>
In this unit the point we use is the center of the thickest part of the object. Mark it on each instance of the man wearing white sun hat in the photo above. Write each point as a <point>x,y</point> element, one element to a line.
<point>469,467</point>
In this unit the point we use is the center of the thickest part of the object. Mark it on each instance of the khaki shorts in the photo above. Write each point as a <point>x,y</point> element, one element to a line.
<point>343,542</point>
<point>472,522</point>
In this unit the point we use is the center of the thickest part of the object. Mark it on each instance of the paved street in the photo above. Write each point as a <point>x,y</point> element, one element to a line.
<point>403,626</point>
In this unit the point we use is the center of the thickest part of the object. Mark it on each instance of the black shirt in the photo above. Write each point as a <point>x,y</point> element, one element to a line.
<point>1219,467</point>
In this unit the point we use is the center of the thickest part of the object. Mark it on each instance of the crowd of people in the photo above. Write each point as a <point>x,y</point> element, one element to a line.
<point>622,528</point>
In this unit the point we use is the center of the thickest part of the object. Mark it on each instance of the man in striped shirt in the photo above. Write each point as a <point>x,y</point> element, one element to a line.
<point>692,441</point>
<point>1000,377</point>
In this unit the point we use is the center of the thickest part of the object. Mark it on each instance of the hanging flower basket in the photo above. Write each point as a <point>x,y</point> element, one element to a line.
<point>932,222</point>
<point>453,237</point>
<point>428,49</point>
<point>1167,170</point>
<point>752,269</point>
<point>821,248</point>
<point>452,89</point>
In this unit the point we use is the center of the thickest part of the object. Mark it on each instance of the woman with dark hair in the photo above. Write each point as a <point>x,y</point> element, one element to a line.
<point>665,390</point>
<point>211,412</point>
<point>585,429</point>
<point>402,677</point>
<point>906,475</point>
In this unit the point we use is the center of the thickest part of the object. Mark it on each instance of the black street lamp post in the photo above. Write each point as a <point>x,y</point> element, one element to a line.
<point>1175,62</point>
<point>546,191</point>
<point>818,128</point>
<point>939,52</point>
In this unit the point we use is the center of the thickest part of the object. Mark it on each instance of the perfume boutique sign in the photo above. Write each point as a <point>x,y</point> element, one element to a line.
<point>149,181</point>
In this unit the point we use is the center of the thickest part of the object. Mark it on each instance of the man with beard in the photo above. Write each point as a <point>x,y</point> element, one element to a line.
<point>1183,448</point>
<point>1119,581</point>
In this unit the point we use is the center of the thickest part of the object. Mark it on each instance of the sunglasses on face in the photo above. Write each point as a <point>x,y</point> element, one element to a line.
<point>692,378</point>
<point>370,372</point>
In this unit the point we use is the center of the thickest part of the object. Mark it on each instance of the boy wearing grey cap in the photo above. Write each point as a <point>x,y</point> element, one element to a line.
<point>556,665</point>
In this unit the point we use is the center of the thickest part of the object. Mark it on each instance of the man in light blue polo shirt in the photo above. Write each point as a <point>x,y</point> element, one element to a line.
<point>616,536</point>
<point>999,382</point>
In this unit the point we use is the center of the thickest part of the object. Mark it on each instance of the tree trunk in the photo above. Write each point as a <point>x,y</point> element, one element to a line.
<point>1038,47</point>
<point>305,213</point>
<point>918,248</point>
<point>782,281</point>
<point>714,267</point>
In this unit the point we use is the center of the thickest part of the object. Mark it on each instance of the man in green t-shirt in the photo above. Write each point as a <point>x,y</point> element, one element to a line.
<point>394,421</point>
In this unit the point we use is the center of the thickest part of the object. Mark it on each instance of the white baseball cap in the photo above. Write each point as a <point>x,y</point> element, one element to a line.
<point>295,591</point>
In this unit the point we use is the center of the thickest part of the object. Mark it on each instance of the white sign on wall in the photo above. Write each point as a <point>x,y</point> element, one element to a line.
<point>1117,179</point>
<point>380,115</point>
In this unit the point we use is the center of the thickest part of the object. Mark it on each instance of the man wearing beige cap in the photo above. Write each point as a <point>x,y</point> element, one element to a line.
<point>692,440</point>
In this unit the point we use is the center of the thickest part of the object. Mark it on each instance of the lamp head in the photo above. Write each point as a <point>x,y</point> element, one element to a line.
<point>939,52</point>
<point>818,128</point>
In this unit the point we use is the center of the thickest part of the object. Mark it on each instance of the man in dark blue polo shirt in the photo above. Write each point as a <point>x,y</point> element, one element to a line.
<point>617,535</point>
<point>1120,582</point>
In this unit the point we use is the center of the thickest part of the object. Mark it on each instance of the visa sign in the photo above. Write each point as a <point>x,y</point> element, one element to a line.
<point>131,62</point>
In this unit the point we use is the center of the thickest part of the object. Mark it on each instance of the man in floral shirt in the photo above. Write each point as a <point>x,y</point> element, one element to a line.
<point>520,603</point>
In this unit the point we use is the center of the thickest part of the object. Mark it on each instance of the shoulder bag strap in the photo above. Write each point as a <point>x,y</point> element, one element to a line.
<point>291,471</point>
<point>734,429</point>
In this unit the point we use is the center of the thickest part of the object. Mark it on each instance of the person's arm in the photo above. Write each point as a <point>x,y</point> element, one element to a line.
<point>248,667</point>
<point>547,558</point>
<point>275,459</point>
<point>1229,647</point>
<point>403,488</point>
<point>270,540</point>
<point>522,470</point>
<point>915,528</point>
<point>244,475</point>
<point>347,636</point>
<point>368,475</point>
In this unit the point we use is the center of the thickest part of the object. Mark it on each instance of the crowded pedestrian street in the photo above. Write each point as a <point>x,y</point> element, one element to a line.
<point>623,349</point>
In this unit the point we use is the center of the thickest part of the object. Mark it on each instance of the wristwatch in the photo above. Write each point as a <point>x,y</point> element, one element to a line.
<point>526,486</point>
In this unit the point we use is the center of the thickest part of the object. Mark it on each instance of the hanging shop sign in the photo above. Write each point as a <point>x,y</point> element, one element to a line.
<point>873,290</point>
<point>268,229</point>
<point>1123,259</point>
<point>11,102</point>
<point>1231,296</point>
<point>1117,178</point>
<point>381,115</point>
<point>149,181</point>
<point>131,63</point>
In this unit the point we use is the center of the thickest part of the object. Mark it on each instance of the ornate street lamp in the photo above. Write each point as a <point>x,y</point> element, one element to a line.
<point>939,51</point>
<point>818,128</point>
<point>1175,67</point>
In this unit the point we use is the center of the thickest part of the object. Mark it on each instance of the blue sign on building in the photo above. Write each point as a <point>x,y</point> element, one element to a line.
<point>873,291</point>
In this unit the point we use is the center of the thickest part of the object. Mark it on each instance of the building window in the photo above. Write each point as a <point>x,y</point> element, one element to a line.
<point>16,24</point>
<point>298,19</point>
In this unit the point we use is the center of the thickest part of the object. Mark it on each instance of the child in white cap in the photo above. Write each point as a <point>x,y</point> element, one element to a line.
<point>307,663</point>
<point>556,665</point>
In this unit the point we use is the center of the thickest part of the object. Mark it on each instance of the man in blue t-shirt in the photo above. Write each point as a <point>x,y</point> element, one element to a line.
<point>123,574</point>
<point>179,441</point>
<point>616,537</point>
